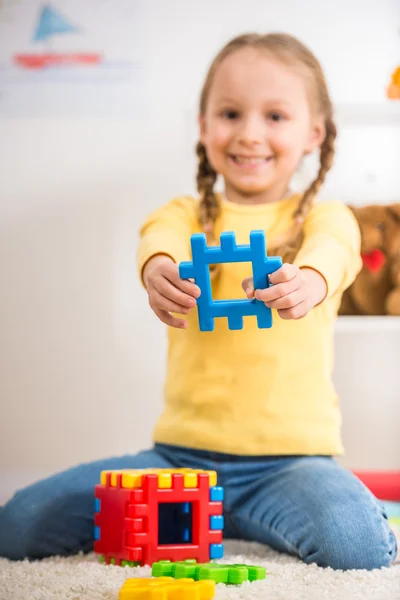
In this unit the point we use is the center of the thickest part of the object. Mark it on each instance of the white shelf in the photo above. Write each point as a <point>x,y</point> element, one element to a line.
<point>367,324</point>
<point>364,115</point>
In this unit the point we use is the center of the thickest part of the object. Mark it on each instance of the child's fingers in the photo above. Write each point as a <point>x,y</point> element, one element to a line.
<point>170,320</point>
<point>187,286</point>
<point>163,303</point>
<point>295,312</point>
<point>285,273</point>
<point>289,301</point>
<point>166,289</point>
<point>279,290</point>
<point>248,287</point>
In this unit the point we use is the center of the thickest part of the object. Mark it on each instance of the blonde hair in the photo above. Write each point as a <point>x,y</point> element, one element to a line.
<point>292,52</point>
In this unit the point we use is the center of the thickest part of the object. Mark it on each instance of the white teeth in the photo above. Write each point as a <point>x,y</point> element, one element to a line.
<point>249,161</point>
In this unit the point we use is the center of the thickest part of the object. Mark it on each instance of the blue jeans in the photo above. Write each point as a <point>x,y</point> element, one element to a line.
<point>306,506</point>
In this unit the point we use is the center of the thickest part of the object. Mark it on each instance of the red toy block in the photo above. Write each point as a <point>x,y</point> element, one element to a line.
<point>127,519</point>
<point>385,485</point>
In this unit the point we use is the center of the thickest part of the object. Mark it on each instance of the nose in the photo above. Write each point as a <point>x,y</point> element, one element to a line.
<point>252,131</point>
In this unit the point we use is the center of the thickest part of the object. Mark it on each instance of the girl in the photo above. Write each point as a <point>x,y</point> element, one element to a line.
<point>258,406</point>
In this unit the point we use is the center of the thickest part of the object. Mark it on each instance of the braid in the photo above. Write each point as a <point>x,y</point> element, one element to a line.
<point>289,244</point>
<point>209,206</point>
<point>326,159</point>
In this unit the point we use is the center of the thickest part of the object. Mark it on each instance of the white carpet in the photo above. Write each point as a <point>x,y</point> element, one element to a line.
<point>83,578</point>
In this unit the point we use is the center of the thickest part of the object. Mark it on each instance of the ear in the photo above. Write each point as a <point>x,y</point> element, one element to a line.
<point>394,211</point>
<point>316,135</point>
<point>202,128</point>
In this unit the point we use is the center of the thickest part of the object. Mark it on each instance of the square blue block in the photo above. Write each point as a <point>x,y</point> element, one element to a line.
<point>216,551</point>
<point>217,494</point>
<point>230,252</point>
<point>216,522</point>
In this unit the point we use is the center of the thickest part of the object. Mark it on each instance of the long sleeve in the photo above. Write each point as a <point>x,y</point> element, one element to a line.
<point>331,245</point>
<point>167,230</point>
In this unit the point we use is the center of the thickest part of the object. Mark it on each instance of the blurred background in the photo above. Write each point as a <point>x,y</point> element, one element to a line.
<point>98,105</point>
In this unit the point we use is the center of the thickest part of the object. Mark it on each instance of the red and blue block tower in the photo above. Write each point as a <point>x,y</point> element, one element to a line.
<point>144,516</point>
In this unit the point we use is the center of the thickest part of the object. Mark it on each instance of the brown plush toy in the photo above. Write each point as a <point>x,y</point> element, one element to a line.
<point>376,289</point>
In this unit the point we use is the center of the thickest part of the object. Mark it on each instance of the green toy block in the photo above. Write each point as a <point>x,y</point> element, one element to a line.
<point>124,563</point>
<point>223,573</point>
<point>190,569</point>
<point>177,570</point>
<point>255,573</point>
<point>129,563</point>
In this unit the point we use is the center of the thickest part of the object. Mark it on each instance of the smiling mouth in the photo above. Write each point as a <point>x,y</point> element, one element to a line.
<point>251,161</point>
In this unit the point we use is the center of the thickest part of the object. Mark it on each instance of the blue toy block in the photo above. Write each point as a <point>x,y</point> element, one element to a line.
<point>228,252</point>
<point>97,533</point>
<point>216,522</point>
<point>216,551</point>
<point>217,494</point>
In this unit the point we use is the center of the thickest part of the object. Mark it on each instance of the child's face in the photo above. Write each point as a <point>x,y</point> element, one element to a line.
<point>258,124</point>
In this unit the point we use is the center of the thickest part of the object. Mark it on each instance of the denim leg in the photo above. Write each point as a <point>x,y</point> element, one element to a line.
<point>55,516</point>
<point>313,508</point>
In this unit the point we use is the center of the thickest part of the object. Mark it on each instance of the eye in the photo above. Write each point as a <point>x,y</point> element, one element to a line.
<point>230,114</point>
<point>276,116</point>
<point>380,226</point>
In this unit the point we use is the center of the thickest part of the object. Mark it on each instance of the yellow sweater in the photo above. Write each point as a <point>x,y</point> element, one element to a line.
<point>255,391</point>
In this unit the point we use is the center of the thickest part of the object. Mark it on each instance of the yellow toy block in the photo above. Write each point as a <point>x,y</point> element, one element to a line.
<point>166,588</point>
<point>132,478</point>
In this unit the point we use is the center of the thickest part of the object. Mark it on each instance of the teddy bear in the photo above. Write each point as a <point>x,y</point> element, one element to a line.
<point>376,289</point>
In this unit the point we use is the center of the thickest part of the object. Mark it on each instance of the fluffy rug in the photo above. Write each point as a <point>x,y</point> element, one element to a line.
<point>83,578</point>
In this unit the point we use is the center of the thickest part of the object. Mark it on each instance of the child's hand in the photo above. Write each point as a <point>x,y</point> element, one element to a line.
<point>167,291</point>
<point>294,291</point>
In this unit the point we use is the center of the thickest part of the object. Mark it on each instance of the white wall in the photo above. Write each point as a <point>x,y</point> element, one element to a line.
<point>366,378</point>
<point>81,356</point>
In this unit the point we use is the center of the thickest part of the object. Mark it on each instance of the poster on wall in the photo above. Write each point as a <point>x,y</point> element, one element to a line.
<point>72,57</point>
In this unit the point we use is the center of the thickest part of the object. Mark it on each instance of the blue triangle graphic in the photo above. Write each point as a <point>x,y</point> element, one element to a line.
<point>51,22</point>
